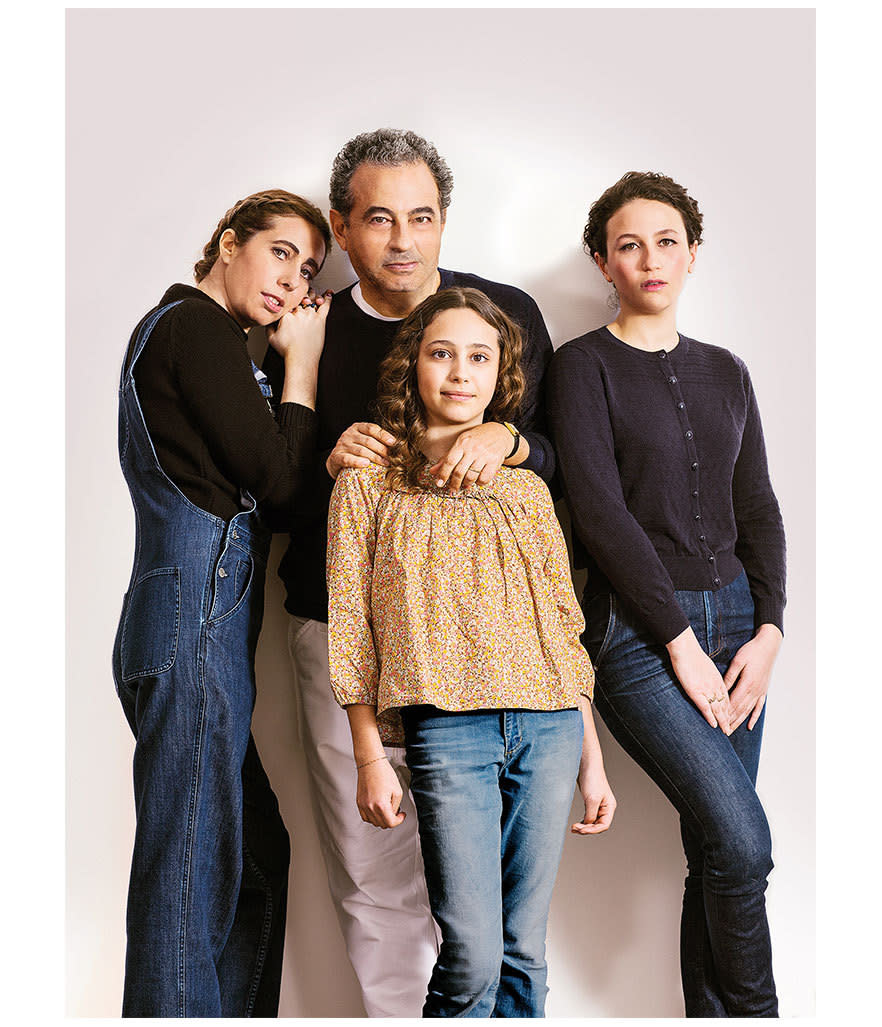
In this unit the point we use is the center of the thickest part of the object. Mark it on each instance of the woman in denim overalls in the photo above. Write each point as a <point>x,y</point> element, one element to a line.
<point>211,472</point>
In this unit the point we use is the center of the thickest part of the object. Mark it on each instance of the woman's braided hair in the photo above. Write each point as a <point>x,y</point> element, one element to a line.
<point>256,213</point>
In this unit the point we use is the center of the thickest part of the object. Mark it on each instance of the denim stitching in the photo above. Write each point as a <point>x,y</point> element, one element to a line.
<point>188,848</point>
<point>660,771</point>
<point>213,621</point>
<point>161,669</point>
<point>125,427</point>
<point>264,935</point>
<point>610,629</point>
<point>710,599</point>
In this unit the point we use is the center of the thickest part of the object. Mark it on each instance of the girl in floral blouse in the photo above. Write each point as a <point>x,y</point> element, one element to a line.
<point>454,630</point>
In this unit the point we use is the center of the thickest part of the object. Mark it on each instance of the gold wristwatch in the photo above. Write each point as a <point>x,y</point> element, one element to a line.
<point>517,438</point>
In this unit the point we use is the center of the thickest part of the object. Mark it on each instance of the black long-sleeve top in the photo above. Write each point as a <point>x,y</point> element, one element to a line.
<point>213,430</point>
<point>355,345</point>
<point>663,466</point>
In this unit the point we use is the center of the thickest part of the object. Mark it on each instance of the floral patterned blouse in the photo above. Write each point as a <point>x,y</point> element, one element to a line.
<point>461,600</point>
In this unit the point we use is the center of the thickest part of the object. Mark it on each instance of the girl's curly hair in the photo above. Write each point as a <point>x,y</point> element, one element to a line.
<point>399,408</point>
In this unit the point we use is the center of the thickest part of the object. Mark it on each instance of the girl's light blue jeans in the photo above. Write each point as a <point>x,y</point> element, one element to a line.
<point>493,790</point>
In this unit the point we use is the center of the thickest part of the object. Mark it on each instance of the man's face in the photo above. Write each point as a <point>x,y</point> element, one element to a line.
<point>393,234</point>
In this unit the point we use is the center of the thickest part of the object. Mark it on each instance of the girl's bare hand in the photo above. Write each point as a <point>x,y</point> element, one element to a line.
<point>379,794</point>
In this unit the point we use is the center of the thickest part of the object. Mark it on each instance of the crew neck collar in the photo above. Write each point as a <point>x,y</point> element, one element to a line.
<point>681,347</point>
<point>363,305</point>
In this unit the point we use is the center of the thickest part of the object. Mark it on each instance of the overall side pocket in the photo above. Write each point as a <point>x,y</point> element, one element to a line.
<point>149,639</point>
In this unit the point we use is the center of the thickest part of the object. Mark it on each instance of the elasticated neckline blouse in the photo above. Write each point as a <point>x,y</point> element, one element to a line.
<point>461,600</point>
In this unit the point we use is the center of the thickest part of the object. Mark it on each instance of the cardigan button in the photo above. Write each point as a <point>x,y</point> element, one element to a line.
<point>702,538</point>
<point>681,405</point>
<point>716,581</point>
<point>695,466</point>
<point>710,559</point>
<point>661,354</point>
<point>690,434</point>
<point>672,380</point>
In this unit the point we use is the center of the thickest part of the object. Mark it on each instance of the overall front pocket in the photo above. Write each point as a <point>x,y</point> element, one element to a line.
<point>232,580</point>
<point>151,624</point>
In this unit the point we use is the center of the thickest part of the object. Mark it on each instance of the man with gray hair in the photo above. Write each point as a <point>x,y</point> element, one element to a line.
<point>389,194</point>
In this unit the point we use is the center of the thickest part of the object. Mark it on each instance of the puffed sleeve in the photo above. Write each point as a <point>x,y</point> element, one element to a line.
<point>351,540</point>
<point>560,582</point>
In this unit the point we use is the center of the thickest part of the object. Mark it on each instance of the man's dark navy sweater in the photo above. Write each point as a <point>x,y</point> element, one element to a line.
<point>663,465</point>
<point>355,345</point>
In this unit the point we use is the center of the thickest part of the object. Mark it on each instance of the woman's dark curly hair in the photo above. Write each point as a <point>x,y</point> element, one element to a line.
<point>639,185</point>
<point>399,408</point>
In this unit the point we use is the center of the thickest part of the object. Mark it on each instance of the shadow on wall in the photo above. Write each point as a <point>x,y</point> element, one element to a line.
<point>616,908</point>
<point>573,296</point>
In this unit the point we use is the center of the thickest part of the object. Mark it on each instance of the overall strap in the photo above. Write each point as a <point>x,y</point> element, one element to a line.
<point>143,335</point>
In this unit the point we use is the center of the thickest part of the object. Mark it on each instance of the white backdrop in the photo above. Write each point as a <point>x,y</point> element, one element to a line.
<point>173,115</point>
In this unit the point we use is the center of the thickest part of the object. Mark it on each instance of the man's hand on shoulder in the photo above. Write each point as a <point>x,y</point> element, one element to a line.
<point>477,455</point>
<point>362,444</point>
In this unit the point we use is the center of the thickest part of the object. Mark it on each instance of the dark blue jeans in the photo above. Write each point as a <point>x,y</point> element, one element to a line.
<point>493,790</point>
<point>725,949</point>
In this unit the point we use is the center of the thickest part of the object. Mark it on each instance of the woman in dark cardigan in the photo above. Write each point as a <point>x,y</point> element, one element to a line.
<point>663,464</point>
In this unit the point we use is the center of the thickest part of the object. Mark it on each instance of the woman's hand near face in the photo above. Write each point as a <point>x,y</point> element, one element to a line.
<point>701,680</point>
<point>750,671</point>
<point>298,337</point>
<point>379,794</point>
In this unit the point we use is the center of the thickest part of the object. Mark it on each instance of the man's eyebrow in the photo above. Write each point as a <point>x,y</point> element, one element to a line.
<point>371,211</point>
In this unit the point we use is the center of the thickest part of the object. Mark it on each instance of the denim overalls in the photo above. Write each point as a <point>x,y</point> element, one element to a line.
<point>207,893</point>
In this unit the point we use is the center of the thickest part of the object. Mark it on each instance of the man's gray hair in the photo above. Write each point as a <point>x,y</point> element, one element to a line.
<point>387,147</point>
